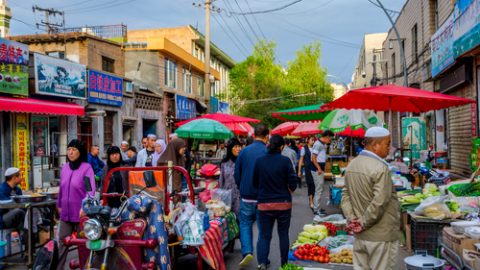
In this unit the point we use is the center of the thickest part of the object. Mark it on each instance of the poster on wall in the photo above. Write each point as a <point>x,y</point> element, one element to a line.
<point>414,135</point>
<point>40,138</point>
<point>185,108</point>
<point>21,150</point>
<point>104,88</point>
<point>13,67</point>
<point>59,77</point>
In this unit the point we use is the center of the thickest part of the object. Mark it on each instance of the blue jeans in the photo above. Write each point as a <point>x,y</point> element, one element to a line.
<point>266,220</point>
<point>248,215</point>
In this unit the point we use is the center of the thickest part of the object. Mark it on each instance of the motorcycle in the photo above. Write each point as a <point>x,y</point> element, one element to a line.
<point>108,243</point>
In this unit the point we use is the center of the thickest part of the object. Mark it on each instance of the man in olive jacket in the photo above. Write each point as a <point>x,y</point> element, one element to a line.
<point>369,202</point>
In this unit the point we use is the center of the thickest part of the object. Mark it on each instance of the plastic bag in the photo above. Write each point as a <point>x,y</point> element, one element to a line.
<point>337,241</point>
<point>434,208</point>
<point>340,248</point>
<point>190,226</point>
<point>224,195</point>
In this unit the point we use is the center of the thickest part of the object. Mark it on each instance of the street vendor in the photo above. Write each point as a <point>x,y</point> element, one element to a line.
<point>12,218</point>
<point>370,204</point>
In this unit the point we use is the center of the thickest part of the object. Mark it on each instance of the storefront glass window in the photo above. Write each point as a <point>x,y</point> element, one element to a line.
<point>40,139</point>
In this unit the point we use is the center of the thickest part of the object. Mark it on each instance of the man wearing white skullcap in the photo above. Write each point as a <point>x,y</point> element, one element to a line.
<point>12,218</point>
<point>370,204</point>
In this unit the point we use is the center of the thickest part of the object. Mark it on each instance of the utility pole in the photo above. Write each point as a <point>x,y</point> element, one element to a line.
<point>207,49</point>
<point>49,26</point>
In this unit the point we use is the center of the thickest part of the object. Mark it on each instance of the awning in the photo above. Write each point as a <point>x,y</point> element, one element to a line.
<point>30,105</point>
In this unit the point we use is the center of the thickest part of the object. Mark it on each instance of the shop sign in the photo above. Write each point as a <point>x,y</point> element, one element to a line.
<point>223,107</point>
<point>104,88</point>
<point>13,67</point>
<point>442,47</point>
<point>466,31</point>
<point>474,119</point>
<point>21,150</point>
<point>57,77</point>
<point>185,108</point>
<point>213,104</point>
<point>12,52</point>
<point>414,135</point>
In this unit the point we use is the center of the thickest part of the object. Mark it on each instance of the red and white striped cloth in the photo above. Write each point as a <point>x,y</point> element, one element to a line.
<point>212,251</point>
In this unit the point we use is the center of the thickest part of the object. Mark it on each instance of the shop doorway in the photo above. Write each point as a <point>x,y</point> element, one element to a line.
<point>149,127</point>
<point>85,133</point>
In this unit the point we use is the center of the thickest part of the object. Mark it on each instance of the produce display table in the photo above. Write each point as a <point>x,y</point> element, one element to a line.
<point>317,266</point>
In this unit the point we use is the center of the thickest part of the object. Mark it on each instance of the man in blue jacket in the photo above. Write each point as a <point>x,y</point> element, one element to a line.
<point>244,168</point>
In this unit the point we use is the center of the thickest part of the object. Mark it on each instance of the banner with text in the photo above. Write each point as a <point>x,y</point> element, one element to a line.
<point>13,67</point>
<point>21,149</point>
<point>104,88</point>
<point>442,47</point>
<point>185,108</point>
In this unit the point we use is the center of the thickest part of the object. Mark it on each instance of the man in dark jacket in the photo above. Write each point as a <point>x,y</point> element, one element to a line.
<point>275,179</point>
<point>244,167</point>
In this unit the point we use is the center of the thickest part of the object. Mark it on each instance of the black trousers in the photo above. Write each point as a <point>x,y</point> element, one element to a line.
<point>309,180</point>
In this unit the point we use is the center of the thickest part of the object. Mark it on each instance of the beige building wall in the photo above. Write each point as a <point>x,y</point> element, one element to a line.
<point>338,90</point>
<point>369,60</point>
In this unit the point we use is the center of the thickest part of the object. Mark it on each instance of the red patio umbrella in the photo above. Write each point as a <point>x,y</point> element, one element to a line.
<point>395,98</point>
<point>307,128</point>
<point>242,129</point>
<point>285,128</point>
<point>357,133</point>
<point>222,118</point>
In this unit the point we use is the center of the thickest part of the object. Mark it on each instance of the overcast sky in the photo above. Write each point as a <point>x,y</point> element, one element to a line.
<point>339,25</point>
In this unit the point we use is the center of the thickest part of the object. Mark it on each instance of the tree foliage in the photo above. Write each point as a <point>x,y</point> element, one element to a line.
<point>259,85</point>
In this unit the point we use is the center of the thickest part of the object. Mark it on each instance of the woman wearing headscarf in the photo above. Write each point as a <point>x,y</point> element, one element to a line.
<point>71,193</point>
<point>118,180</point>
<point>160,147</point>
<point>227,169</point>
<point>175,152</point>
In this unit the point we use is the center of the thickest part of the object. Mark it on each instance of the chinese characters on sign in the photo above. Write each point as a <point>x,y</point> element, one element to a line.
<point>21,151</point>
<point>104,89</point>
<point>13,67</point>
<point>185,108</point>
<point>442,47</point>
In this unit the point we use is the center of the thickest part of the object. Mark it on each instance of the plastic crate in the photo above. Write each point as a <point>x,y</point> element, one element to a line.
<point>440,179</point>
<point>427,234</point>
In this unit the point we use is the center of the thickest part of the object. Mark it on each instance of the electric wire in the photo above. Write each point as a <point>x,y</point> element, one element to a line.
<point>256,21</point>
<point>237,44</point>
<point>268,10</point>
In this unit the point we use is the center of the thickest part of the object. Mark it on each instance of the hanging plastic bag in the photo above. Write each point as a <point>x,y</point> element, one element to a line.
<point>190,226</point>
<point>434,208</point>
<point>224,195</point>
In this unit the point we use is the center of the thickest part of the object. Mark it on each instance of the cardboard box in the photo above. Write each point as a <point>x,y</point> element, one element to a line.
<point>457,242</point>
<point>471,259</point>
<point>408,237</point>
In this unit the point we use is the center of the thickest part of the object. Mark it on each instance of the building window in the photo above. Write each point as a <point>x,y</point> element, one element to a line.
<point>57,54</point>
<point>187,81</point>
<point>414,44</point>
<point>108,64</point>
<point>201,86</point>
<point>170,70</point>
<point>394,70</point>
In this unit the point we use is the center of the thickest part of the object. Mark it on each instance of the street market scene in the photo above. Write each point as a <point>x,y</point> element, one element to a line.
<point>240,134</point>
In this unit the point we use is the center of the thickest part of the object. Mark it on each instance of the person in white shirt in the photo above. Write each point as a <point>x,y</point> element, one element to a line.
<point>124,149</point>
<point>221,151</point>
<point>145,156</point>
<point>319,157</point>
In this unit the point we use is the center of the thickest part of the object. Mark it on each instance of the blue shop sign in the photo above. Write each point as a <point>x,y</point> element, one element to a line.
<point>104,88</point>
<point>185,108</point>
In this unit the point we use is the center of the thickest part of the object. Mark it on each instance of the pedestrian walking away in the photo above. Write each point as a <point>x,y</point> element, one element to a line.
<point>306,162</point>
<point>275,179</point>
<point>175,152</point>
<point>319,157</point>
<point>371,206</point>
<point>244,167</point>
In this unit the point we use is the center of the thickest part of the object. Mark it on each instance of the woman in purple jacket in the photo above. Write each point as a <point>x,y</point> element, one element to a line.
<point>72,192</point>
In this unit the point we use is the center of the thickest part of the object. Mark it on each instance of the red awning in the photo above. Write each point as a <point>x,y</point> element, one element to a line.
<point>30,105</point>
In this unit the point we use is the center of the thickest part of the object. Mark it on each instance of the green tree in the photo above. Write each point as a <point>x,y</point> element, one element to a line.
<point>306,81</point>
<point>259,85</point>
<point>256,82</point>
